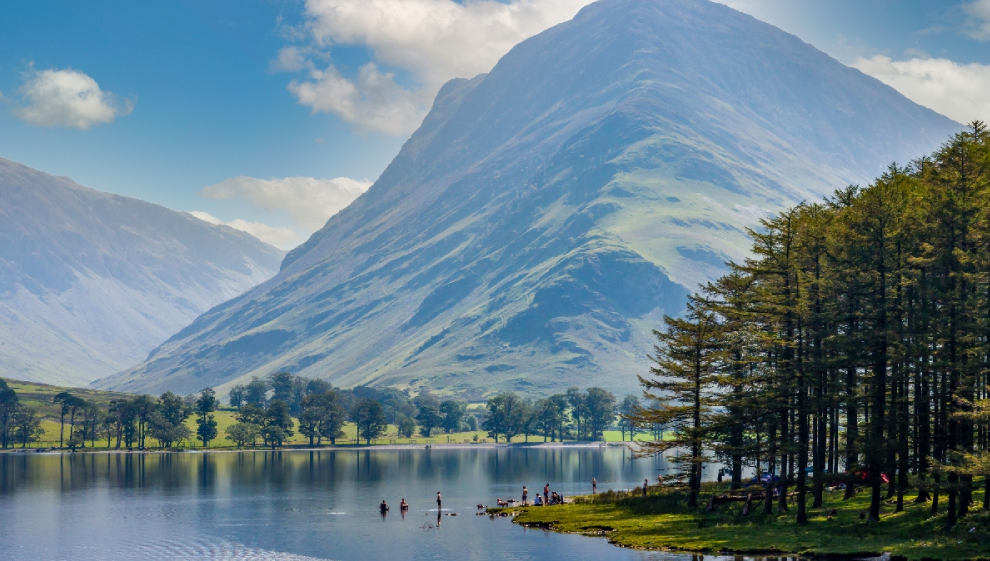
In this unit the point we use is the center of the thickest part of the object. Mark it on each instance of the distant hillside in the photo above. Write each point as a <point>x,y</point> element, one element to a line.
<point>40,397</point>
<point>546,215</point>
<point>90,282</point>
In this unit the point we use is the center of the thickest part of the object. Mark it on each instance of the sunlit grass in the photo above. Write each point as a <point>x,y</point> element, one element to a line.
<point>662,521</point>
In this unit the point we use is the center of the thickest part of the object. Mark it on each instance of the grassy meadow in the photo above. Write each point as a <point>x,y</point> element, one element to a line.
<point>662,521</point>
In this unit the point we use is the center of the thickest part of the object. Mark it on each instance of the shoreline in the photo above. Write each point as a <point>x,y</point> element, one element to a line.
<point>347,447</point>
<point>660,522</point>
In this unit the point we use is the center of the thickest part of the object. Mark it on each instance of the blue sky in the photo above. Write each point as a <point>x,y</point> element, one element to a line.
<point>271,115</point>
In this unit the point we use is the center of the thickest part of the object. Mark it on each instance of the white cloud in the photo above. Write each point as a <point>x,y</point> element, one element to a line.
<point>432,40</point>
<point>978,12</point>
<point>67,98</point>
<point>309,202</point>
<point>292,59</point>
<point>958,91</point>
<point>374,102</point>
<point>284,238</point>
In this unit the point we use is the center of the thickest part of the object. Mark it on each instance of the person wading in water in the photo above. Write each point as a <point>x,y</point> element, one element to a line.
<point>438,501</point>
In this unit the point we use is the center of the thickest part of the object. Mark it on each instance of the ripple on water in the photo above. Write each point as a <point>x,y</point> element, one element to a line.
<point>213,550</point>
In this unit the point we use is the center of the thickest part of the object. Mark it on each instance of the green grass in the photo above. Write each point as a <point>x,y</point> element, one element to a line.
<point>661,521</point>
<point>40,396</point>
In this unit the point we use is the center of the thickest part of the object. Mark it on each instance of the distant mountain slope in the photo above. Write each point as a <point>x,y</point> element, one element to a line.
<point>90,282</point>
<point>536,227</point>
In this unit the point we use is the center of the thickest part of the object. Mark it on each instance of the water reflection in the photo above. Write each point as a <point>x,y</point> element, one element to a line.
<point>299,505</point>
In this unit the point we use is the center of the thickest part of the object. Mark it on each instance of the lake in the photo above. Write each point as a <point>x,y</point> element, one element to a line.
<point>289,505</point>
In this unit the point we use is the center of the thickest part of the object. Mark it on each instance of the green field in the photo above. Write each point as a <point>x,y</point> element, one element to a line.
<point>661,521</point>
<point>616,436</point>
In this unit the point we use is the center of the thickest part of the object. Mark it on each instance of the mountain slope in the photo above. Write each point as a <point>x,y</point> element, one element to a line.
<point>90,282</point>
<point>536,227</point>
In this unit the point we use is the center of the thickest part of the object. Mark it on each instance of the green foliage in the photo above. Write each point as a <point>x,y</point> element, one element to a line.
<point>451,412</point>
<point>8,407</point>
<point>507,416</point>
<point>427,413</point>
<point>288,389</point>
<point>684,385</point>
<point>369,416</point>
<point>851,348</point>
<point>549,414</point>
<point>323,416</point>
<point>600,406</point>
<point>627,409</point>
<point>278,423</point>
<point>256,392</point>
<point>206,423</point>
<point>206,428</point>
<point>309,423</point>
<point>406,426</point>
<point>235,397</point>
<point>27,426</point>
<point>243,433</point>
<point>167,421</point>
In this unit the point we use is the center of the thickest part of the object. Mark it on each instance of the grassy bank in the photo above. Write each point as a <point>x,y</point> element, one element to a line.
<point>661,521</point>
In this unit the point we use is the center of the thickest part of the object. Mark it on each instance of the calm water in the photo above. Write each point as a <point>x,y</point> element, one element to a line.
<point>298,505</point>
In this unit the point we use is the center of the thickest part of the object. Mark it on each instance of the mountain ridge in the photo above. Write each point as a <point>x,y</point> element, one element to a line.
<point>90,282</point>
<point>548,213</point>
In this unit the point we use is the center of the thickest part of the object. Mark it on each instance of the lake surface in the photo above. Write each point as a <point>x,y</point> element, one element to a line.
<point>300,505</point>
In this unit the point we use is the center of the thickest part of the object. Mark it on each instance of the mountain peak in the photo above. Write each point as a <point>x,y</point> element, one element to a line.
<point>547,214</point>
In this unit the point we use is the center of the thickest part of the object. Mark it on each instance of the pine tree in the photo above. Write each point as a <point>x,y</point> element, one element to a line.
<point>684,384</point>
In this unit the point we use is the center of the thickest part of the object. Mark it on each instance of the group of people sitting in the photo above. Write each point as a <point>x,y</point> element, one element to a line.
<point>554,499</point>
<point>547,498</point>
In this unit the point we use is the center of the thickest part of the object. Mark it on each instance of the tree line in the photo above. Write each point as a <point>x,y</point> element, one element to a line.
<point>576,414</point>
<point>322,411</point>
<point>852,349</point>
<point>124,422</point>
<point>271,410</point>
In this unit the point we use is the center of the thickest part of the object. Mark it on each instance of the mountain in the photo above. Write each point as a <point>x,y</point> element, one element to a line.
<point>545,215</point>
<point>91,282</point>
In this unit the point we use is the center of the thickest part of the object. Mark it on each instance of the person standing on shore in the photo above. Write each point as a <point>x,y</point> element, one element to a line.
<point>594,485</point>
<point>525,495</point>
<point>546,494</point>
<point>646,485</point>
